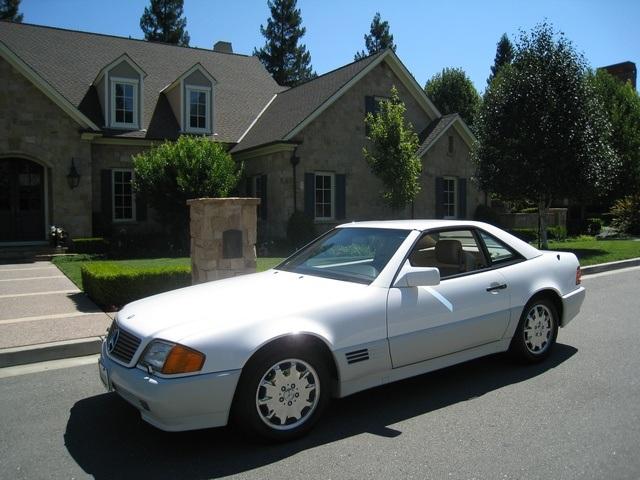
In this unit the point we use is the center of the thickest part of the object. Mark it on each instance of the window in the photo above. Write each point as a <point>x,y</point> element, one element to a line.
<point>198,109</point>
<point>497,250</point>
<point>324,201</point>
<point>452,252</point>
<point>449,195</point>
<point>450,150</point>
<point>124,103</point>
<point>372,105</point>
<point>124,200</point>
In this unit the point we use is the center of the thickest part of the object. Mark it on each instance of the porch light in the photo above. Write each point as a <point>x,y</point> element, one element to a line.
<point>73,177</point>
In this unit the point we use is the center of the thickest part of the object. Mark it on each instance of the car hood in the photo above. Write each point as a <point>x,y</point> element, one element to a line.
<point>234,303</point>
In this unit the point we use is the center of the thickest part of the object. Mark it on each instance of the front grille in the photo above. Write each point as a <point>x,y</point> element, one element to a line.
<point>121,344</point>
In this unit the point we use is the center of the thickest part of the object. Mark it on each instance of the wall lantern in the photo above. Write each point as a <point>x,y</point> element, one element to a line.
<point>73,177</point>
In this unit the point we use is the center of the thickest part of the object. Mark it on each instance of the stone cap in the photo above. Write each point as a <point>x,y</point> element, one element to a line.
<point>223,201</point>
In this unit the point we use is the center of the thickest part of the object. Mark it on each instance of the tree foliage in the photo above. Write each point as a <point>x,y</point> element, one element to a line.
<point>162,21</point>
<point>282,55</point>
<point>378,39</point>
<point>9,11</point>
<point>541,132</point>
<point>452,91</point>
<point>504,56</point>
<point>622,106</point>
<point>393,156</point>
<point>192,167</point>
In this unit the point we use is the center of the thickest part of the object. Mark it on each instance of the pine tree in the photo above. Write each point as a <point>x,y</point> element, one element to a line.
<point>162,21</point>
<point>378,39</point>
<point>288,61</point>
<point>9,11</point>
<point>504,56</point>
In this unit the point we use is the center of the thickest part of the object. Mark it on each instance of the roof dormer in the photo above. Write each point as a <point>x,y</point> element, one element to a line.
<point>120,87</point>
<point>192,100</point>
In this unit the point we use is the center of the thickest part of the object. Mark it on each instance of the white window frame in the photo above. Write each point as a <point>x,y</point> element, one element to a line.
<point>113,196</point>
<point>333,196</point>
<point>455,198</point>
<point>136,96</point>
<point>207,92</point>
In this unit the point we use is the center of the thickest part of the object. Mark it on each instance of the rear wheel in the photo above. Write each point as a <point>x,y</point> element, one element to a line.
<point>281,394</point>
<point>537,331</point>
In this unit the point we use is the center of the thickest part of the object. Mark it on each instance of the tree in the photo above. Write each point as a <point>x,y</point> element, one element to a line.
<point>622,106</point>
<point>9,11</point>
<point>168,175</point>
<point>162,21</point>
<point>288,61</point>
<point>451,91</point>
<point>541,132</point>
<point>393,156</point>
<point>504,56</point>
<point>378,39</point>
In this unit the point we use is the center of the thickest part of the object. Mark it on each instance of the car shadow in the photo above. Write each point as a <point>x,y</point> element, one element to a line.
<point>108,439</point>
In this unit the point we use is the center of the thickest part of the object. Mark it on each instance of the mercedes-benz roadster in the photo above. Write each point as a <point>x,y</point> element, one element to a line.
<point>365,304</point>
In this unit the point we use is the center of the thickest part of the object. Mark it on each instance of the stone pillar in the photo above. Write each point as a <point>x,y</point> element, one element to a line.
<point>223,237</point>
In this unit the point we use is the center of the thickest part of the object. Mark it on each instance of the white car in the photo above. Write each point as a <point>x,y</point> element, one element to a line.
<point>365,304</point>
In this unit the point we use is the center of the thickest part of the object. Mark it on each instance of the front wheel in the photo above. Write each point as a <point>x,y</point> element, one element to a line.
<point>537,331</point>
<point>281,394</point>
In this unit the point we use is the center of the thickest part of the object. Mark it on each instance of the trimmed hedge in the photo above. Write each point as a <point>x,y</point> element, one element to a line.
<point>96,245</point>
<point>112,285</point>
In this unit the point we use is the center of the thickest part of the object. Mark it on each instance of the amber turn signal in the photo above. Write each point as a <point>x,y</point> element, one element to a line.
<point>182,360</point>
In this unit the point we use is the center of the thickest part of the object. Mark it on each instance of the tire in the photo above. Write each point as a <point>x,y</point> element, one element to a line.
<point>282,393</point>
<point>537,330</point>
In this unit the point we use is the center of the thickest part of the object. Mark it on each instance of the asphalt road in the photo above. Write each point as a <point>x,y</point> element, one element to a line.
<point>575,416</point>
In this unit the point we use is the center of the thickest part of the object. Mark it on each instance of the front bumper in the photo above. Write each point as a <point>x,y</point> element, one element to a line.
<point>571,305</point>
<point>174,404</point>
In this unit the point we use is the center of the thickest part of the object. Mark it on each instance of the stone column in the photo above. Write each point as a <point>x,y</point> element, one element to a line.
<point>223,237</point>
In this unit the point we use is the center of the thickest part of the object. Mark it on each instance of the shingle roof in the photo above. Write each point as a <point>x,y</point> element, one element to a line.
<point>431,133</point>
<point>70,61</point>
<point>292,106</point>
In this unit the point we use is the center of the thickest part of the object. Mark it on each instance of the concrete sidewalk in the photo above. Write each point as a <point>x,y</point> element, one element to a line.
<point>44,316</point>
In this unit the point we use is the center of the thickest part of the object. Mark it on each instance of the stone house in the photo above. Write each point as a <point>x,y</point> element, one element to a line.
<point>75,107</point>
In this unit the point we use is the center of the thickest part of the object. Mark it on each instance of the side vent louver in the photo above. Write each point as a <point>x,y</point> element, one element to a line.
<point>357,356</point>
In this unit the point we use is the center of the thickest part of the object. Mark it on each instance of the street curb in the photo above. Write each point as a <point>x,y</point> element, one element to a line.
<point>606,267</point>
<point>43,352</point>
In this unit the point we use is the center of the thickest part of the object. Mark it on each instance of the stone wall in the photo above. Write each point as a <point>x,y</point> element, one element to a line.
<point>223,237</point>
<point>35,128</point>
<point>557,217</point>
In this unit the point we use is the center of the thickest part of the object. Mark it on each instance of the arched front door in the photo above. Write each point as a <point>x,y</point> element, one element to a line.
<point>21,200</point>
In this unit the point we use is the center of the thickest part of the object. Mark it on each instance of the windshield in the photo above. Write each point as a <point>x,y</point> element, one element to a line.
<point>349,254</point>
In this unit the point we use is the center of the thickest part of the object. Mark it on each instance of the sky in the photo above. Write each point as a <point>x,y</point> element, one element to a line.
<point>430,35</point>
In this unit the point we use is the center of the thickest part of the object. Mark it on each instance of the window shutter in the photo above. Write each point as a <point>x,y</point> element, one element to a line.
<point>462,198</point>
<point>310,195</point>
<point>106,196</point>
<point>263,197</point>
<point>369,104</point>
<point>341,197</point>
<point>439,195</point>
<point>248,187</point>
<point>141,208</point>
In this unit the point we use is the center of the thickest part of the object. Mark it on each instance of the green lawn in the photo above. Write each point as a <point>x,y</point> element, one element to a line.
<point>590,251</point>
<point>71,265</point>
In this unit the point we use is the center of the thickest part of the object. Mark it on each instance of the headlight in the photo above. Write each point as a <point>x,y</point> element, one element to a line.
<point>171,358</point>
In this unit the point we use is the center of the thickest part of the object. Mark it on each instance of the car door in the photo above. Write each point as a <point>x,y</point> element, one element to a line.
<point>469,308</point>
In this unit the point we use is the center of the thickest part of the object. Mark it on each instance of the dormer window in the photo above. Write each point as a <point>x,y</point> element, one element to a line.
<point>124,103</point>
<point>198,109</point>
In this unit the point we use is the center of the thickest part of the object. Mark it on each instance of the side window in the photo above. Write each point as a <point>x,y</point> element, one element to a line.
<point>453,252</point>
<point>498,251</point>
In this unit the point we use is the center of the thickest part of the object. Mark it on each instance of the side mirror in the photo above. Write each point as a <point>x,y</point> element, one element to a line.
<point>418,277</point>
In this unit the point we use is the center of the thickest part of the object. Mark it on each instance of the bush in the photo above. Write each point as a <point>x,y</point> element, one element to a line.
<point>112,285</point>
<point>486,214</point>
<point>626,215</point>
<point>557,233</point>
<point>91,246</point>
<point>125,244</point>
<point>300,229</point>
<point>594,225</point>
<point>525,234</point>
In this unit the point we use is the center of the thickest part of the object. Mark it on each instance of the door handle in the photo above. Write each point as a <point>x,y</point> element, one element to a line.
<point>493,288</point>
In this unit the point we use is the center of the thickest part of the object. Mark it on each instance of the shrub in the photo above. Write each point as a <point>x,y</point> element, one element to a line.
<point>525,234</point>
<point>300,229</point>
<point>113,285</point>
<point>91,246</point>
<point>626,215</point>
<point>486,214</point>
<point>557,233</point>
<point>125,244</point>
<point>594,225</point>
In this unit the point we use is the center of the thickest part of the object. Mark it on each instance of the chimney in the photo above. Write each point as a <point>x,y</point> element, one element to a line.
<point>223,47</point>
